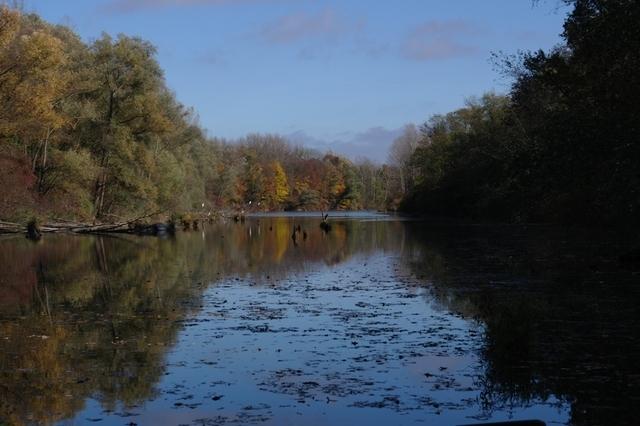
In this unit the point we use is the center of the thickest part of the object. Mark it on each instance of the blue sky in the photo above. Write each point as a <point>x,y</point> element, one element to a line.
<point>344,75</point>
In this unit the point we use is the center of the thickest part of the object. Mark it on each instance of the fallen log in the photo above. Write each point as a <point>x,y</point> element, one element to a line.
<point>133,226</point>
<point>11,228</point>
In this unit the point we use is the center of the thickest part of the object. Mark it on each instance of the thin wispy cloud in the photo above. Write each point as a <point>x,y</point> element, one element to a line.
<point>371,48</point>
<point>448,28</point>
<point>437,40</point>
<point>302,26</point>
<point>212,57</point>
<point>128,6</point>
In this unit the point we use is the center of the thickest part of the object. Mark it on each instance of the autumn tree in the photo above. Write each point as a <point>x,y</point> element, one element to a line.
<point>91,131</point>
<point>33,80</point>
<point>277,186</point>
<point>254,182</point>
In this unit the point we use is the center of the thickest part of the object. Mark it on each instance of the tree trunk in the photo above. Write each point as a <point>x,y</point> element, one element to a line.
<point>34,160</point>
<point>43,167</point>
<point>100,187</point>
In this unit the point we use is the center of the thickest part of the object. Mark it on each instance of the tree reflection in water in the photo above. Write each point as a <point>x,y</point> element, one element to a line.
<point>93,317</point>
<point>88,316</point>
<point>560,313</point>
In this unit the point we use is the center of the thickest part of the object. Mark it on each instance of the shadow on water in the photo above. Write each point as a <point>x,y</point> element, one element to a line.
<point>560,310</point>
<point>95,318</point>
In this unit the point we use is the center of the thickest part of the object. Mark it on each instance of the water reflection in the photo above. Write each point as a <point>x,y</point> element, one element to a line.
<point>560,313</point>
<point>85,317</point>
<point>94,318</point>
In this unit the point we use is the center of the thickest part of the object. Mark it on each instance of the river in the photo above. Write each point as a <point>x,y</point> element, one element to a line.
<point>380,321</point>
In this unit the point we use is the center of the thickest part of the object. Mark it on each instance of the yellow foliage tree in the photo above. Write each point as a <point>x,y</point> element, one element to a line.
<point>33,80</point>
<point>281,183</point>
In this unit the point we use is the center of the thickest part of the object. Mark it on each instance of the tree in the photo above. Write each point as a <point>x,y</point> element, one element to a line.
<point>468,162</point>
<point>281,186</point>
<point>254,184</point>
<point>91,131</point>
<point>578,107</point>
<point>33,80</point>
<point>400,154</point>
<point>130,115</point>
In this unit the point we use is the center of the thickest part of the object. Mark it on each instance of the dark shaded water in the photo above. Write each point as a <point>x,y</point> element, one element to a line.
<point>378,322</point>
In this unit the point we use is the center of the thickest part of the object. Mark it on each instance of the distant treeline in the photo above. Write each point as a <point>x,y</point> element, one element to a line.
<point>91,131</point>
<point>562,146</point>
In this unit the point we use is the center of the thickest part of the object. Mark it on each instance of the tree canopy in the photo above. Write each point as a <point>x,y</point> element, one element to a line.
<point>563,145</point>
<point>91,131</point>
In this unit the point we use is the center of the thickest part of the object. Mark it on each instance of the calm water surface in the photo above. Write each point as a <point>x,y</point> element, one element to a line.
<point>379,322</point>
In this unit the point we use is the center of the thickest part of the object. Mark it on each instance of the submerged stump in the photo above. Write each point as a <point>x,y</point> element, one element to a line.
<point>33,230</point>
<point>324,225</point>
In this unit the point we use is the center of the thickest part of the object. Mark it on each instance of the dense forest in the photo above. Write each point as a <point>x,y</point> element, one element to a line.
<point>562,146</point>
<point>92,132</point>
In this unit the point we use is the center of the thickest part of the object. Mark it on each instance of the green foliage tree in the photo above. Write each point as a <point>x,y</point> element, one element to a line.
<point>578,106</point>
<point>563,146</point>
